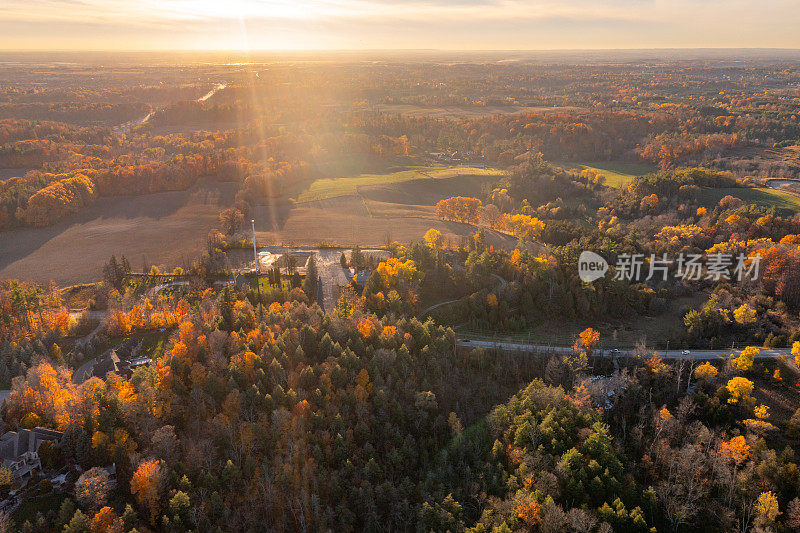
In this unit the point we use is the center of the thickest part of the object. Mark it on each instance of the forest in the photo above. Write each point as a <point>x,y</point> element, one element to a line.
<point>464,380</point>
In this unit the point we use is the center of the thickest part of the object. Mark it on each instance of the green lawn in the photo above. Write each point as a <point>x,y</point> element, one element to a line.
<point>153,344</point>
<point>334,187</point>
<point>266,288</point>
<point>617,173</point>
<point>766,197</point>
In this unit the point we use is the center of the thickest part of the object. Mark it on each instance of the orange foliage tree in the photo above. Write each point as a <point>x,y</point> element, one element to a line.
<point>147,486</point>
<point>587,339</point>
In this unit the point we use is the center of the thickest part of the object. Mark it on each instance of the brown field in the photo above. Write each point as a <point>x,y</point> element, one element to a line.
<point>166,229</point>
<point>401,211</point>
<point>469,112</point>
<point>349,220</point>
<point>170,229</point>
<point>8,173</point>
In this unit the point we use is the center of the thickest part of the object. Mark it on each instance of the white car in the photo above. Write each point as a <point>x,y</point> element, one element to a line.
<point>686,352</point>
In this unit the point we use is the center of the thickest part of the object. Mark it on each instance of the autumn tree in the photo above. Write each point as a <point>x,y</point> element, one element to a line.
<point>739,389</point>
<point>460,208</point>
<point>147,486</point>
<point>744,315</point>
<point>587,339</point>
<point>736,450</point>
<point>706,371</point>
<point>433,237</point>
<point>107,521</point>
<point>57,200</point>
<point>745,360</point>
<point>231,220</point>
<point>93,487</point>
<point>522,226</point>
<point>767,509</point>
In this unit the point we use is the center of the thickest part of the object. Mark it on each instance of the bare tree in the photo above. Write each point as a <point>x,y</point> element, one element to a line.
<point>685,484</point>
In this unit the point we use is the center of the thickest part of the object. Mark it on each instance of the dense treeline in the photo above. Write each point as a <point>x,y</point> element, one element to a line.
<point>300,420</point>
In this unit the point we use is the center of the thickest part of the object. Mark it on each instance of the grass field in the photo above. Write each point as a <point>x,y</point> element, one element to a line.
<point>170,229</point>
<point>617,173</point>
<point>402,211</point>
<point>765,197</point>
<point>323,189</point>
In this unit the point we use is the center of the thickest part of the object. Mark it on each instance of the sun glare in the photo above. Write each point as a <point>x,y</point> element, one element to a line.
<point>214,9</point>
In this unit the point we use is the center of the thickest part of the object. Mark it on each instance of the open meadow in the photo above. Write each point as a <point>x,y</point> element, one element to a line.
<point>617,173</point>
<point>781,200</point>
<point>343,186</point>
<point>371,209</point>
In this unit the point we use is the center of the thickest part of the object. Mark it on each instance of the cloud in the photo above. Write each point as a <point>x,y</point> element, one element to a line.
<point>485,24</point>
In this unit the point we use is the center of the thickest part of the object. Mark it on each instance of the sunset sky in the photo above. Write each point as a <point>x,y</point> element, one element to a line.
<point>397,24</point>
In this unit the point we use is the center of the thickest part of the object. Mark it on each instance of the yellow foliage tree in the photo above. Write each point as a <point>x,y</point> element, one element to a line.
<point>394,271</point>
<point>706,371</point>
<point>6,478</point>
<point>433,237</point>
<point>522,226</point>
<point>745,360</point>
<point>739,389</point>
<point>460,208</point>
<point>767,509</point>
<point>745,315</point>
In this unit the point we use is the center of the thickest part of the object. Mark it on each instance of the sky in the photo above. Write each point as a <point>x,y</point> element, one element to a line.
<point>396,24</point>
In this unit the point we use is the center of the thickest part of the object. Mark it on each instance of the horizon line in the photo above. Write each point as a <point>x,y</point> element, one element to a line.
<point>361,50</point>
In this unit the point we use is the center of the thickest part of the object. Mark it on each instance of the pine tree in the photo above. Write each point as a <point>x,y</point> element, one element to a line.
<point>310,282</point>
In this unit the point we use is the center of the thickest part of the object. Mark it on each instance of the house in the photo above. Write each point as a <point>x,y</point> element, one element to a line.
<point>19,449</point>
<point>117,360</point>
<point>108,362</point>
<point>133,364</point>
<point>129,349</point>
<point>23,465</point>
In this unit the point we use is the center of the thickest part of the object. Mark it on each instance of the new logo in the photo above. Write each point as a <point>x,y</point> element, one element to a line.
<point>591,266</point>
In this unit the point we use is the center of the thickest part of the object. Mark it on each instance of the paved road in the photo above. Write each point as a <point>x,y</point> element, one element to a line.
<point>332,275</point>
<point>94,315</point>
<point>128,126</point>
<point>699,355</point>
<point>100,316</point>
<point>153,291</point>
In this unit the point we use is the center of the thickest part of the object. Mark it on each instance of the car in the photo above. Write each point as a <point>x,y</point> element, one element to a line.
<point>686,352</point>
<point>465,341</point>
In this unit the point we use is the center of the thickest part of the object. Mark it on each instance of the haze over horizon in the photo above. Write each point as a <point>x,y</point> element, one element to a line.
<point>397,24</point>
